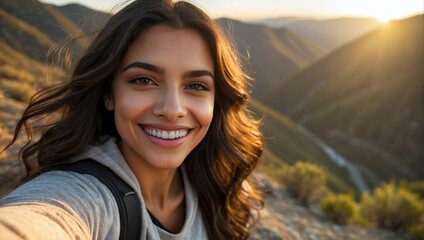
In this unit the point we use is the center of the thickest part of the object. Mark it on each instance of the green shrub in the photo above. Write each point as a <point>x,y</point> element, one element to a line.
<point>392,207</point>
<point>413,186</point>
<point>340,208</point>
<point>306,181</point>
<point>416,231</point>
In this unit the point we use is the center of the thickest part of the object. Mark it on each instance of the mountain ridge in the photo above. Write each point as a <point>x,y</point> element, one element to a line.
<point>87,19</point>
<point>329,34</point>
<point>353,95</point>
<point>268,48</point>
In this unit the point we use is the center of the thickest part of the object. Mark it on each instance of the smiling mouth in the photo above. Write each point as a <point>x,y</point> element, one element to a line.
<point>164,134</point>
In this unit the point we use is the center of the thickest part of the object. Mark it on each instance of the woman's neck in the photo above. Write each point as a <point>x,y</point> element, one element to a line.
<point>160,187</point>
<point>162,191</point>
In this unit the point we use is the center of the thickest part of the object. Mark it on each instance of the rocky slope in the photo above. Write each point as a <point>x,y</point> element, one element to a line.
<point>284,218</point>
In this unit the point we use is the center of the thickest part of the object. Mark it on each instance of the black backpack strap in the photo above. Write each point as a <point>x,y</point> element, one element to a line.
<point>126,198</point>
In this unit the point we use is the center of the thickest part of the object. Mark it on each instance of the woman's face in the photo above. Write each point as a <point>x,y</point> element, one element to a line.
<point>163,96</point>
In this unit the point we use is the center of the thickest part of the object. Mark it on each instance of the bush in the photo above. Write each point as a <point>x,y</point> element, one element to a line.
<point>392,207</point>
<point>306,181</point>
<point>340,208</point>
<point>413,186</point>
<point>416,231</point>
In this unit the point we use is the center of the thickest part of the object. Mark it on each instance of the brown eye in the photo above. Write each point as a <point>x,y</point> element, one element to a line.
<point>142,81</point>
<point>198,86</point>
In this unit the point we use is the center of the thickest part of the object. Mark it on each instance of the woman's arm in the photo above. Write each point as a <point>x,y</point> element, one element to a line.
<point>60,205</point>
<point>40,221</point>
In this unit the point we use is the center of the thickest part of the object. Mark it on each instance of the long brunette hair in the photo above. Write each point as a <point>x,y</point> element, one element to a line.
<point>218,167</point>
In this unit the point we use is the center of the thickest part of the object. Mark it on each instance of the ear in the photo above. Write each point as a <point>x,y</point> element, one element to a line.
<point>109,105</point>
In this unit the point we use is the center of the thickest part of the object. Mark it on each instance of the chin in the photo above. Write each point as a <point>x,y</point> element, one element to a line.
<point>166,163</point>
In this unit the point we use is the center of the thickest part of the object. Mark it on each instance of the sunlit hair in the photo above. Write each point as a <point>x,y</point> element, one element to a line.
<point>218,167</point>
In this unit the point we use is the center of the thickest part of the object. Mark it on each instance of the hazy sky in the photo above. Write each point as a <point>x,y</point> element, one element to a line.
<point>254,9</point>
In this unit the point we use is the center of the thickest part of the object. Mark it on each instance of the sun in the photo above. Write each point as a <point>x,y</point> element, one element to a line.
<point>386,15</point>
<point>384,19</point>
<point>388,10</point>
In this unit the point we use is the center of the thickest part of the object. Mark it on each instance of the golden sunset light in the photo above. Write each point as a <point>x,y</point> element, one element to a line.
<point>382,10</point>
<point>223,119</point>
<point>386,11</point>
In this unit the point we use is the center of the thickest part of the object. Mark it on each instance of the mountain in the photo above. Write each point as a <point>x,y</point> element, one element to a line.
<point>275,55</point>
<point>45,18</point>
<point>85,18</point>
<point>332,33</point>
<point>366,100</point>
<point>329,34</point>
<point>39,30</point>
<point>24,37</point>
<point>277,22</point>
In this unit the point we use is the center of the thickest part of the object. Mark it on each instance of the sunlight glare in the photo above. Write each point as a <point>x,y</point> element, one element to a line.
<point>383,19</point>
<point>386,11</point>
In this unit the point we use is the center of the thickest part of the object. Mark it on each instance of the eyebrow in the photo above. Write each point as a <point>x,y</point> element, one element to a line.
<point>159,70</point>
<point>198,73</point>
<point>147,66</point>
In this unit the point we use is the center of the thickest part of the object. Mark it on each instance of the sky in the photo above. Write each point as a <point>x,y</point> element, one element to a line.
<point>383,10</point>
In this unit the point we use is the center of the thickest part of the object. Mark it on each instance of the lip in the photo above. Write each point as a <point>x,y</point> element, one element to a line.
<point>165,143</point>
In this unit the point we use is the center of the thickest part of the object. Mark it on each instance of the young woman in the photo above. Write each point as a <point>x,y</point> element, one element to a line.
<point>160,98</point>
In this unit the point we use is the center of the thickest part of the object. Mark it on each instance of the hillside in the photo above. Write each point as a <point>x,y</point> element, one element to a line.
<point>85,18</point>
<point>22,21</point>
<point>366,100</point>
<point>23,37</point>
<point>284,218</point>
<point>51,22</point>
<point>287,142</point>
<point>275,55</point>
<point>19,77</point>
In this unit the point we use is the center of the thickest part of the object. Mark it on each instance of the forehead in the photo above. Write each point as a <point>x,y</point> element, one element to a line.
<point>162,45</point>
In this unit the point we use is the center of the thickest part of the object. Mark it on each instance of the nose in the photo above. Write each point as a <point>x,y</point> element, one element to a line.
<point>170,105</point>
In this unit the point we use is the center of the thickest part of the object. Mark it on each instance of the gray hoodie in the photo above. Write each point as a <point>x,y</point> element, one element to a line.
<point>69,205</point>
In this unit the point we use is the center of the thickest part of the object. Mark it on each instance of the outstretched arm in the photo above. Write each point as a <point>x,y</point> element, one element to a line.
<point>60,205</point>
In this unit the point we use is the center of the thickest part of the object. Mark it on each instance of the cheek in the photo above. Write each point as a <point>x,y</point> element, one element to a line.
<point>204,110</point>
<point>130,105</point>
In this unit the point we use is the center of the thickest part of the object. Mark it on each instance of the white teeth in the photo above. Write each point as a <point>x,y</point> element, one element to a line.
<point>166,134</point>
<point>171,135</point>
